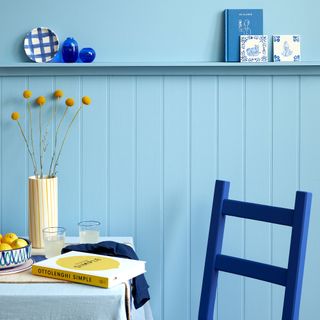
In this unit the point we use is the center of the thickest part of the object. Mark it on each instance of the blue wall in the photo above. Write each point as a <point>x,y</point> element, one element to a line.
<point>148,30</point>
<point>144,157</point>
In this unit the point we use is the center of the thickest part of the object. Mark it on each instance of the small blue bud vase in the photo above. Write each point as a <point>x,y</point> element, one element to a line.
<point>70,50</point>
<point>87,55</point>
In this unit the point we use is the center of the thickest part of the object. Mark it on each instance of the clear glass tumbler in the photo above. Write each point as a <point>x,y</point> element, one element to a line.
<point>89,231</point>
<point>54,241</point>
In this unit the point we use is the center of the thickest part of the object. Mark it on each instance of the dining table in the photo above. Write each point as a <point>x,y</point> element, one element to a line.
<point>24,296</point>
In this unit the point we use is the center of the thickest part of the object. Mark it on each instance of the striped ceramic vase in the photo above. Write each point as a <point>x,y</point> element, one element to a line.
<point>43,207</point>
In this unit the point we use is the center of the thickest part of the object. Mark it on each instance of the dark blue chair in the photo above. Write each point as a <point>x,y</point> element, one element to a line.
<point>290,278</point>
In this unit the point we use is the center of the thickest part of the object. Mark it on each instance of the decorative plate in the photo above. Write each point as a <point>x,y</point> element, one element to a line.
<point>15,257</point>
<point>23,267</point>
<point>41,44</point>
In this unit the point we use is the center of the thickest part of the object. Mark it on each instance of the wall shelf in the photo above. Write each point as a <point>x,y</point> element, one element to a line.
<point>161,68</point>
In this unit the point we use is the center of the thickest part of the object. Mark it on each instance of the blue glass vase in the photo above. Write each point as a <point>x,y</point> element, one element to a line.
<point>87,55</point>
<point>70,50</point>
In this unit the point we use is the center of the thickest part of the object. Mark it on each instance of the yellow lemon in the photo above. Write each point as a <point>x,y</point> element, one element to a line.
<point>5,246</point>
<point>19,243</point>
<point>9,238</point>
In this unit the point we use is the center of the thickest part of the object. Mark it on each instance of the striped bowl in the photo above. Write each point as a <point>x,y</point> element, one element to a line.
<point>15,257</point>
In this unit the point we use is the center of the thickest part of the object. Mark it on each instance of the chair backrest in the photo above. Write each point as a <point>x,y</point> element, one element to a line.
<point>290,278</point>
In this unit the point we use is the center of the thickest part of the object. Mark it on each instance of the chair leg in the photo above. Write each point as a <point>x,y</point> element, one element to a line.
<point>210,276</point>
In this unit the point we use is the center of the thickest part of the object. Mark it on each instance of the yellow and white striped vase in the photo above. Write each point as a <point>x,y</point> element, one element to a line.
<point>43,207</point>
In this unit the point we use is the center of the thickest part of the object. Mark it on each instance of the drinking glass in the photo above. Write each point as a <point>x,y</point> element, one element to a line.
<point>89,231</point>
<point>54,240</point>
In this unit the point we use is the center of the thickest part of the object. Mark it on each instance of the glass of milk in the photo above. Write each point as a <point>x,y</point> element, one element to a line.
<point>89,231</point>
<point>54,241</point>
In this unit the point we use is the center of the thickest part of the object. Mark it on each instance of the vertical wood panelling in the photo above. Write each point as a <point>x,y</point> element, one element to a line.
<point>150,182</point>
<point>122,155</point>
<point>176,198</point>
<point>14,175</point>
<point>310,181</point>
<point>285,166</point>
<point>143,159</point>
<point>69,168</point>
<point>94,152</point>
<point>231,168</point>
<point>258,151</point>
<point>204,125</point>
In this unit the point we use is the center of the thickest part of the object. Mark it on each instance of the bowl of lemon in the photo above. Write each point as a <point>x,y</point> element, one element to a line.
<point>14,251</point>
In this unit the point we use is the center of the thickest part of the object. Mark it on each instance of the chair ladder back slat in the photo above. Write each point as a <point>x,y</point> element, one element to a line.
<point>258,212</point>
<point>216,230</point>
<point>297,256</point>
<point>252,269</point>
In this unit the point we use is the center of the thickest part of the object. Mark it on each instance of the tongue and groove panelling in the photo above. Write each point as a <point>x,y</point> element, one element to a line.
<point>143,159</point>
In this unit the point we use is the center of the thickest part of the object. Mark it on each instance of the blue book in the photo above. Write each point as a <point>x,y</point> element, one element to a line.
<point>238,22</point>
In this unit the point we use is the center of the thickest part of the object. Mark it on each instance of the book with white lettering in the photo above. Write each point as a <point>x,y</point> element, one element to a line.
<point>240,22</point>
<point>88,268</point>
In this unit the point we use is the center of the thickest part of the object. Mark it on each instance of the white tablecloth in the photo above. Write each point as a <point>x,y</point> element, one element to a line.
<point>59,301</point>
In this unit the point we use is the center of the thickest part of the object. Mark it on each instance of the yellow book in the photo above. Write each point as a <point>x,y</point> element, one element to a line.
<point>88,268</point>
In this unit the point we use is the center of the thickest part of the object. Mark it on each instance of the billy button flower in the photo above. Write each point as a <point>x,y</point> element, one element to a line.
<point>69,102</point>
<point>41,101</point>
<point>86,100</point>
<point>15,116</point>
<point>27,94</point>
<point>58,94</point>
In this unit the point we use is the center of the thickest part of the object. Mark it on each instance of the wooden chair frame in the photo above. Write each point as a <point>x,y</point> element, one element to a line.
<point>290,278</point>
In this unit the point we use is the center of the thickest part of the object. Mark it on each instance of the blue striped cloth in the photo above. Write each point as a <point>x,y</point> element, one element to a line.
<point>41,44</point>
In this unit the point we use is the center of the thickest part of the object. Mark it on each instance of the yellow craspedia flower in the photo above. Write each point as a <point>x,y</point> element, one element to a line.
<point>41,101</point>
<point>69,102</point>
<point>86,100</point>
<point>58,94</point>
<point>27,94</point>
<point>15,116</point>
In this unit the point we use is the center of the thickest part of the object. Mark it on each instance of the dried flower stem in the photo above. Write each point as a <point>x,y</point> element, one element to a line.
<point>56,142</point>
<point>26,141</point>
<point>40,140</point>
<point>64,139</point>
<point>45,137</point>
<point>33,157</point>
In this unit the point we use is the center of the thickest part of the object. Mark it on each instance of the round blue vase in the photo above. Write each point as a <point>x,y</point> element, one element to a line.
<point>70,50</point>
<point>87,55</point>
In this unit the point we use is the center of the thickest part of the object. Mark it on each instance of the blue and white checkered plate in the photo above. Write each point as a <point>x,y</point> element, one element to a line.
<point>41,44</point>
